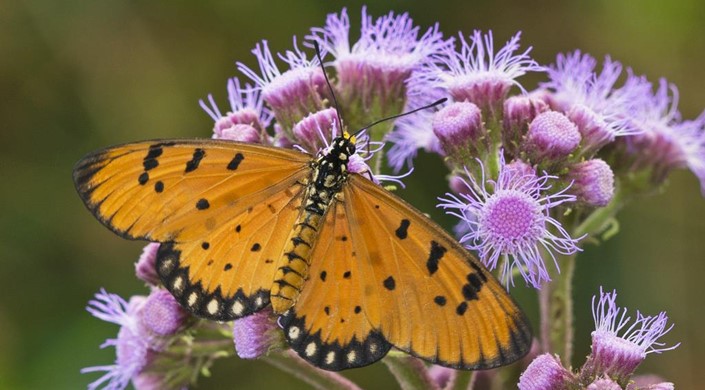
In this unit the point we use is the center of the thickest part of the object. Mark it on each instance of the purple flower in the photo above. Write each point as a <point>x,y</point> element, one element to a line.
<point>443,377</point>
<point>476,73</point>
<point>247,119</point>
<point>460,130</point>
<point>291,94</point>
<point>667,142</point>
<point>545,373</point>
<point>162,314</point>
<point>312,131</point>
<point>257,334</point>
<point>511,219</point>
<point>372,73</point>
<point>132,345</point>
<point>146,266</point>
<point>591,100</point>
<point>604,384</point>
<point>593,182</point>
<point>551,138</point>
<point>411,133</point>
<point>619,345</point>
<point>519,111</point>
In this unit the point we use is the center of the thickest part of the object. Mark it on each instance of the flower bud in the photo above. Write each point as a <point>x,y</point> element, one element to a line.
<point>162,314</point>
<point>256,334</point>
<point>593,182</point>
<point>551,136</point>
<point>240,133</point>
<point>146,266</point>
<point>545,373</point>
<point>314,130</point>
<point>519,111</point>
<point>459,129</point>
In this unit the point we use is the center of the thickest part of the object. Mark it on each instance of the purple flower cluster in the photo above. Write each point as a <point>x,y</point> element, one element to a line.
<point>148,326</point>
<point>619,345</point>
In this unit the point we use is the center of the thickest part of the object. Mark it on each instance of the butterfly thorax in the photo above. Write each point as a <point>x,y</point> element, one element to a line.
<point>328,175</point>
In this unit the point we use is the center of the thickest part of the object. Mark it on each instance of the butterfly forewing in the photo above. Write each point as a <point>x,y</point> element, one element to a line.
<point>422,291</point>
<point>175,190</point>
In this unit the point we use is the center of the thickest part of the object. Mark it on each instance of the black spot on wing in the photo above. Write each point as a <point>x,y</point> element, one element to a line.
<point>192,164</point>
<point>462,308</point>
<point>402,230</point>
<point>143,178</point>
<point>202,204</point>
<point>323,276</point>
<point>389,283</point>
<point>158,186</point>
<point>440,300</point>
<point>235,162</point>
<point>434,256</point>
<point>256,247</point>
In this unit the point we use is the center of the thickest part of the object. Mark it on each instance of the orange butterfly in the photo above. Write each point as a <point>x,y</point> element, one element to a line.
<point>351,268</point>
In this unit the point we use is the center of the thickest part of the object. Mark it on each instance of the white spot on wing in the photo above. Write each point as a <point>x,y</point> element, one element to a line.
<point>193,299</point>
<point>213,306</point>
<point>330,358</point>
<point>373,348</point>
<point>238,307</point>
<point>178,283</point>
<point>351,356</point>
<point>311,349</point>
<point>294,332</point>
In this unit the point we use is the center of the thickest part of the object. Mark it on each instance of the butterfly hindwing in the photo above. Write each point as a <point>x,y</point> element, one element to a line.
<point>327,325</point>
<point>422,291</point>
<point>229,272</point>
<point>222,211</point>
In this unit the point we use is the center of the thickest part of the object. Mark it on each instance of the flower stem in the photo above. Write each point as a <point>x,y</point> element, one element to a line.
<point>556,311</point>
<point>410,372</point>
<point>464,380</point>
<point>290,362</point>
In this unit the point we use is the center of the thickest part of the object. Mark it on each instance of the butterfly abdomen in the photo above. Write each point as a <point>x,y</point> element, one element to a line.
<point>328,175</point>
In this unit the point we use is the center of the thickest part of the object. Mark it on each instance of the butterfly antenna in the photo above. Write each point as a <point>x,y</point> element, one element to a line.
<point>437,102</point>
<point>330,87</point>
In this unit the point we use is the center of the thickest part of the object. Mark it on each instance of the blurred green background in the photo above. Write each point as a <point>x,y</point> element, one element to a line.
<point>78,75</point>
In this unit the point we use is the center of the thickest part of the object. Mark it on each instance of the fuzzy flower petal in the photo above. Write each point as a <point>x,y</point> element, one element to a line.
<point>509,218</point>
<point>131,345</point>
<point>246,109</point>
<point>592,100</point>
<point>667,142</point>
<point>477,73</point>
<point>620,345</point>
<point>292,93</point>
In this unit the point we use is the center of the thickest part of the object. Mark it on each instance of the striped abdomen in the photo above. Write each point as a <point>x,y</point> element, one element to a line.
<point>290,277</point>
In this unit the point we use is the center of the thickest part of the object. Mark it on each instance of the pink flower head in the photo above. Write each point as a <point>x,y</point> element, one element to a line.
<point>292,93</point>
<point>510,217</point>
<point>545,373</point>
<point>247,119</point>
<point>132,345</point>
<point>479,74</point>
<point>618,347</point>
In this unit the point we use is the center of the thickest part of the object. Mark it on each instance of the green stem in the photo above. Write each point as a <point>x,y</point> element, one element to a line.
<point>410,372</point>
<point>556,311</point>
<point>290,362</point>
<point>464,380</point>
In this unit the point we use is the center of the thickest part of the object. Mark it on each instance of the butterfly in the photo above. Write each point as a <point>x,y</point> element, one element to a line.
<point>350,268</point>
